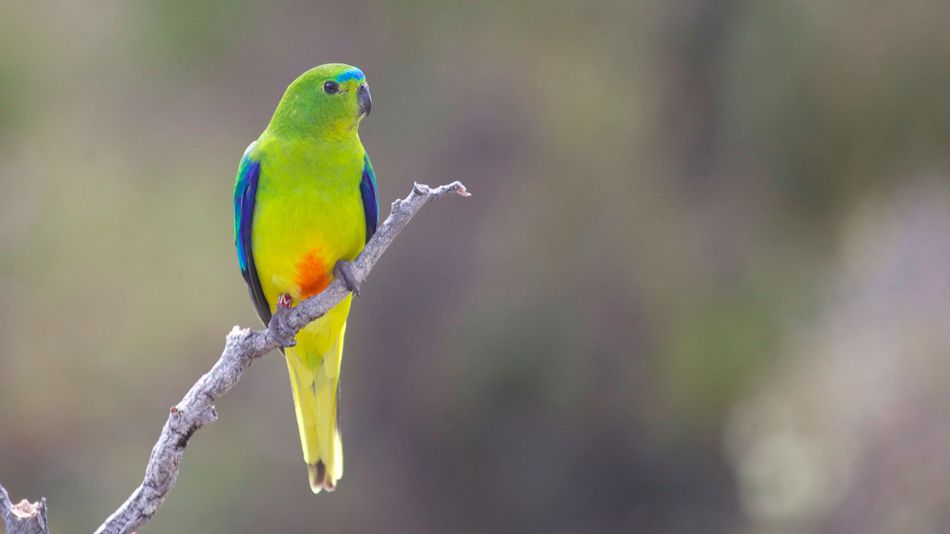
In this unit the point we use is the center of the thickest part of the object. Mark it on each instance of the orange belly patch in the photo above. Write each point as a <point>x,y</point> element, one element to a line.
<point>313,274</point>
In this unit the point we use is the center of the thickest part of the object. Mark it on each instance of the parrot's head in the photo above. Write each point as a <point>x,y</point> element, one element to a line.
<point>328,100</point>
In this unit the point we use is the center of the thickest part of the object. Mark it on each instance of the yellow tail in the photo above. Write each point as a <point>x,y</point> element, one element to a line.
<point>314,366</point>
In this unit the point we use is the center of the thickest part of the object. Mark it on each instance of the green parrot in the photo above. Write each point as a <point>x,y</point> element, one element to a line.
<point>304,206</point>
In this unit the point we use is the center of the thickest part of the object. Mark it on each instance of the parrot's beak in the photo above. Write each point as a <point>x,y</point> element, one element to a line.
<point>365,99</point>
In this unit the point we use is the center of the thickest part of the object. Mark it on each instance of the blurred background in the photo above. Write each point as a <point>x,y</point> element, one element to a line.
<point>703,284</point>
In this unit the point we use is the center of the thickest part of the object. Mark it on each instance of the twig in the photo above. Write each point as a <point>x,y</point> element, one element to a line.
<point>24,517</point>
<point>241,348</point>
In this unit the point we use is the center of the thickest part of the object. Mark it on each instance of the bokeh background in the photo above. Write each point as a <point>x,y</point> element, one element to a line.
<point>703,284</point>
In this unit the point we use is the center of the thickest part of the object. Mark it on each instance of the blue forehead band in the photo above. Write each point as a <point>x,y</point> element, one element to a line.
<point>352,74</point>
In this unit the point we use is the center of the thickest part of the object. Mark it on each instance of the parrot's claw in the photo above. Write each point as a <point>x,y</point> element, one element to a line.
<point>278,322</point>
<point>344,270</point>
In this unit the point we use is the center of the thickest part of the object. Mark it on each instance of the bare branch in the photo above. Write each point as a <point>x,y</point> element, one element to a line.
<point>24,517</point>
<point>241,348</point>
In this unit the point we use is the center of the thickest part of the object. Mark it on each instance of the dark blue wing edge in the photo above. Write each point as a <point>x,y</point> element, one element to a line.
<point>370,199</point>
<point>245,194</point>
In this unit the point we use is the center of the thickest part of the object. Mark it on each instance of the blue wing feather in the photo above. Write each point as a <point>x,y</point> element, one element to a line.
<point>370,199</point>
<point>245,194</point>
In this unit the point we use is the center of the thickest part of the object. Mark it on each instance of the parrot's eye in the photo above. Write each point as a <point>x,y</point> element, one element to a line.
<point>331,87</point>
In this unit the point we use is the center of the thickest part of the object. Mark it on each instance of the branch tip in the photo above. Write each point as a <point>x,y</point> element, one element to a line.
<point>459,189</point>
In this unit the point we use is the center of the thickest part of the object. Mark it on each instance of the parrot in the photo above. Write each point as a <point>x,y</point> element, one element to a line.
<point>305,205</point>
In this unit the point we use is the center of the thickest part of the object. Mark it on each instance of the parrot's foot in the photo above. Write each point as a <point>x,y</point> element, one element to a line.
<point>344,270</point>
<point>278,322</point>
